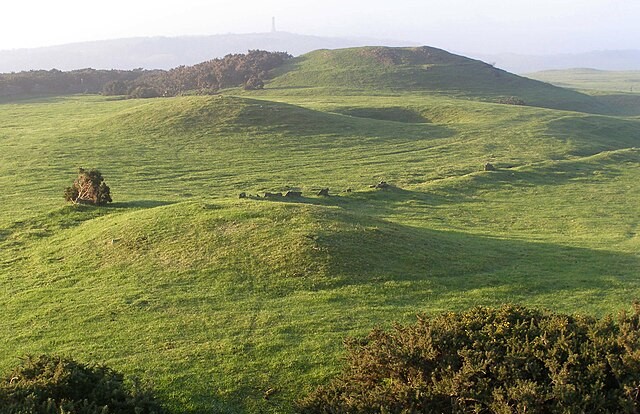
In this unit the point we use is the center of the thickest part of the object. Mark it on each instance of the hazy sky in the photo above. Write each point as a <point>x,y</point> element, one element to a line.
<point>480,26</point>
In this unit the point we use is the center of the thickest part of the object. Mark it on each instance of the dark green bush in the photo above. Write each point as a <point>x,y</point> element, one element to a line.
<point>511,100</point>
<point>253,83</point>
<point>55,385</point>
<point>116,87</point>
<point>506,360</point>
<point>144,92</point>
<point>89,188</point>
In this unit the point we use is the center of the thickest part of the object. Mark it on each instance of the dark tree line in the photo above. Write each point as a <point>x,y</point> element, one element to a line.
<point>49,82</point>
<point>248,70</point>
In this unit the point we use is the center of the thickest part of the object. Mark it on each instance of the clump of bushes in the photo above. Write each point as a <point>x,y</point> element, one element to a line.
<point>88,188</point>
<point>55,385</point>
<point>511,100</point>
<point>506,360</point>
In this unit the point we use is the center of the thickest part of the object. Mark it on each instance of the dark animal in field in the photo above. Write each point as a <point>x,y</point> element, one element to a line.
<point>324,192</point>
<point>489,167</point>
<point>243,195</point>
<point>292,193</point>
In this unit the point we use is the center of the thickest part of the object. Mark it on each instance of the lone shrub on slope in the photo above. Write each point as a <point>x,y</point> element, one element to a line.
<point>89,187</point>
<point>54,385</point>
<point>506,360</point>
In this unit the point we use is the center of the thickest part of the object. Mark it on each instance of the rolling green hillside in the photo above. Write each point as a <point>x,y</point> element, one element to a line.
<point>241,305</point>
<point>603,80</point>
<point>376,70</point>
<point>616,89</point>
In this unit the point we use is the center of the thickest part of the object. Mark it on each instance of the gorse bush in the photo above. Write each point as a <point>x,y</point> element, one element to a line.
<point>506,360</point>
<point>248,70</point>
<point>89,187</point>
<point>55,385</point>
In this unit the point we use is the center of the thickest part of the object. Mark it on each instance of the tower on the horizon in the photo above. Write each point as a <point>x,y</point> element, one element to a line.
<point>273,25</point>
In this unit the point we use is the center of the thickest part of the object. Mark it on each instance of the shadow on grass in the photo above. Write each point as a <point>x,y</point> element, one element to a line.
<point>592,134</point>
<point>376,202</point>
<point>298,120</point>
<point>52,98</point>
<point>139,204</point>
<point>361,247</point>
<point>624,104</point>
<point>370,252</point>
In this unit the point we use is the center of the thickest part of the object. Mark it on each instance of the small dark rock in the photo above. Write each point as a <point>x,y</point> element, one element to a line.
<point>243,195</point>
<point>489,167</point>
<point>292,193</point>
<point>324,192</point>
<point>272,195</point>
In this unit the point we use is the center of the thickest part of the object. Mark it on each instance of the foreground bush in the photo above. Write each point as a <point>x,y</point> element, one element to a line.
<point>54,385</point>
<point>89,188</point>
<point>507,360</point>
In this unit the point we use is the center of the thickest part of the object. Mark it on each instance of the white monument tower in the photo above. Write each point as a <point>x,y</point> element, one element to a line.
<point>273,25</point>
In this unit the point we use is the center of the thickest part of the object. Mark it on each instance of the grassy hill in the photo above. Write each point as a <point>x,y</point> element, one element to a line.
<point>241,305</point>
<point>422,69</point>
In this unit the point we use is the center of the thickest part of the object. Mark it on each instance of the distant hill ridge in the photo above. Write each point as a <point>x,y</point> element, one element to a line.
<point>602,60</point>
<point>168,52</point>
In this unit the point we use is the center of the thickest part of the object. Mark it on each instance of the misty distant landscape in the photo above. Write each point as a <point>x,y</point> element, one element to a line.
<point>328,223</point>
<point>169,52</point>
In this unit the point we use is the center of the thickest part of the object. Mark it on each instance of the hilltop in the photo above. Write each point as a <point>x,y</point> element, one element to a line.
<point>422,69</point>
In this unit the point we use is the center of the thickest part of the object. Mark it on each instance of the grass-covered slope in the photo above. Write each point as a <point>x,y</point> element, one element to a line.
<point>584,78</point>
<point>231,305</point>
<point>619,90</point>
<point>423,69</point>
<point>219,302</point>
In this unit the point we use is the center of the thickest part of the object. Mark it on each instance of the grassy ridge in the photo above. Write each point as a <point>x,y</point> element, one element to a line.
<point>379,70</point>
<point>219,300</point>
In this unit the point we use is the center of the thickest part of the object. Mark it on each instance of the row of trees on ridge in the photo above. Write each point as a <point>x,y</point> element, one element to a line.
<point>249,70</point>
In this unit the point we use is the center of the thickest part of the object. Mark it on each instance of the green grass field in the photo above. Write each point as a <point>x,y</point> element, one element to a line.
<point>591,79</point>
<point>218,300</point>
<point>615,89</point>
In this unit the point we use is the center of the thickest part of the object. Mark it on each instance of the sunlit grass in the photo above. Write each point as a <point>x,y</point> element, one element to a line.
<point>217,300</point>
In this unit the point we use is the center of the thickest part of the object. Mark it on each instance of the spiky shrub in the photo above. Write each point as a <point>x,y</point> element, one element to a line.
<point>253,83</point>
<point>506,360</point>
<point>89,188</point>
<point>55,385</point>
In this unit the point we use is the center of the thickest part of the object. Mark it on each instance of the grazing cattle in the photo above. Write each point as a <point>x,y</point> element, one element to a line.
<point>324,192</point>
